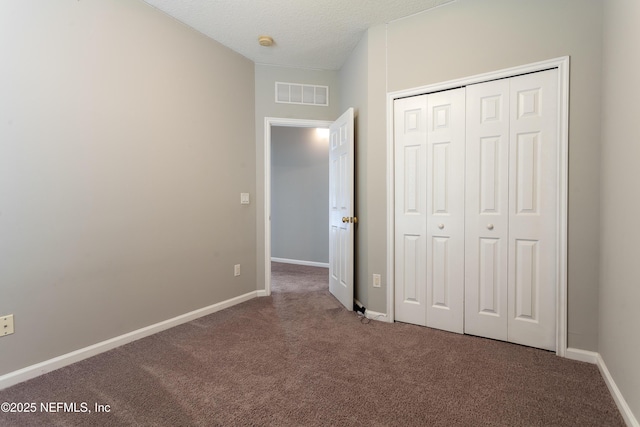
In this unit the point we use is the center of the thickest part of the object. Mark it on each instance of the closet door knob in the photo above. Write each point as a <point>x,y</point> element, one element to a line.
<point>490,226</point>
<point>440,226</point>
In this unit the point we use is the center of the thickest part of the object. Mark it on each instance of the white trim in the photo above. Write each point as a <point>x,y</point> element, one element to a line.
<point>268,123</point>
<point>562,64</point>
<point>582,355</point>
<point>563,207</point>
<point>374,315</point>
<point>300,262</point>
<point>596,359</point>
<point>24,374</point>
<point>625,411</point>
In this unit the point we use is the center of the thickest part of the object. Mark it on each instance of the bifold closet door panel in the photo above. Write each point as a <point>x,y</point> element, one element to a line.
<point>445,209</point>
<point>410,152</point>
<point>487,209</point>
<point>533,205</point>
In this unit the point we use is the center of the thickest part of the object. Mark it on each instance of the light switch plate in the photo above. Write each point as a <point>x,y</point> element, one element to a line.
<point>6,325</point>
<point>244,198</point>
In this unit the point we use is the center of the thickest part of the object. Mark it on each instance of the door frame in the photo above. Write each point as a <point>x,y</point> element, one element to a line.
<point>562,64</point>
<point>268,123</point>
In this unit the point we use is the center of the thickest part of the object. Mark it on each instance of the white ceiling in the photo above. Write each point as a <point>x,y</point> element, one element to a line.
<point>307,33</point>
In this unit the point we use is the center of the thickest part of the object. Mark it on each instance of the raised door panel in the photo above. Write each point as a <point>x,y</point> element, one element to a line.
<point>533,206</point>
<point>445,209</point>
<point>410,151</point>
<point>487,209</point>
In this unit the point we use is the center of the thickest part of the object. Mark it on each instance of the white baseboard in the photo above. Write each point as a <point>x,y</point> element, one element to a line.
<point>582,355</point>
<point>261,293</point>
<point>374,315</point>
<point>300,262</point>
<point>596,359</point>
<point>627,415</point>
<point>24,374</point>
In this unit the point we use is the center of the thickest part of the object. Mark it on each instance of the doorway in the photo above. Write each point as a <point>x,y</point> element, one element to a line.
<point>270,124</point>
<point>299,196</point>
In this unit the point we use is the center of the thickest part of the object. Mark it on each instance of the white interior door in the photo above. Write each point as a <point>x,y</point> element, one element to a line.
<point>429,210</point>
<point>341,208</point>
<point>533,204</point>
<point>511,213</point>
<point>445,209</point>
<point>410,134</point>
<point>476,209</point>
<point>487,209</point>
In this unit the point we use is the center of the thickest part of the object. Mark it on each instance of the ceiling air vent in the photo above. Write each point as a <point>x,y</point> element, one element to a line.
<point>295,93</point>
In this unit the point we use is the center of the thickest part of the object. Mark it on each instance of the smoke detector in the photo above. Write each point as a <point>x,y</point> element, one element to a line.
<point>265,41</point>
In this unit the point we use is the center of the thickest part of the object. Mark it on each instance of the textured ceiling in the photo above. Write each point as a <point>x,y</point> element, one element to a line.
<point>307,33</point>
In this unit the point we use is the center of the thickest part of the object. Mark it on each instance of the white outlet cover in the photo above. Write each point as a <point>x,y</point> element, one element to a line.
<point>376,280</point>
<point>6,325</point>
<point>244,198</point>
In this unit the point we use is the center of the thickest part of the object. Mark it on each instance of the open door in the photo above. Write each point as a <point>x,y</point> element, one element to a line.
<point>341,219</point>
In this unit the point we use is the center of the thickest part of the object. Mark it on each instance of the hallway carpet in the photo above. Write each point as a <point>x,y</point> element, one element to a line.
<point>298,358</point>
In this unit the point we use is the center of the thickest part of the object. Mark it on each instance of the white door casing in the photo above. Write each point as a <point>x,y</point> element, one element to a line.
<point>341,208</point>
<point>269,122</point>
<point>487,209</point>
<point>445,209</point>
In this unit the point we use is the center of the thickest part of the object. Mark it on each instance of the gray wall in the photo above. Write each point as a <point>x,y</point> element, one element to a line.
<point>354,93</point>
<point>125,140</point>
<point>299,194</point>
<point>265,106</point>
<point>363,86</point>
<point>620,207</point>
<point>469,37</point>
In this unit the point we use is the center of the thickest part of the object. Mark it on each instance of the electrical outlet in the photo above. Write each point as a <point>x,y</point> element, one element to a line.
<point>6,325</point>
<point>376,280</point>
<point>244,198</point>
<point>236,270</point>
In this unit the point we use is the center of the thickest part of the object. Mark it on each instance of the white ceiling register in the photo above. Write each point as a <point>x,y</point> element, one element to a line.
<point>296,93</point>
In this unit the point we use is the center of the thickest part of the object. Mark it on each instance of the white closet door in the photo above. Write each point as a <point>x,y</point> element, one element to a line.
<point>410,134</point>
<point>487,209</point>
<point>445,209</point>
<point>533,192</point>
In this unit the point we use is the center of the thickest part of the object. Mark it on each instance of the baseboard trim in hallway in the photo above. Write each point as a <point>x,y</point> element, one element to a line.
<point>300,262</point>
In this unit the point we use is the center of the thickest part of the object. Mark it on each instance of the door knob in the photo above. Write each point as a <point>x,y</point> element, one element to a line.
<point>490,226</point>
<point>440,226</point>
<point>345,219</point>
